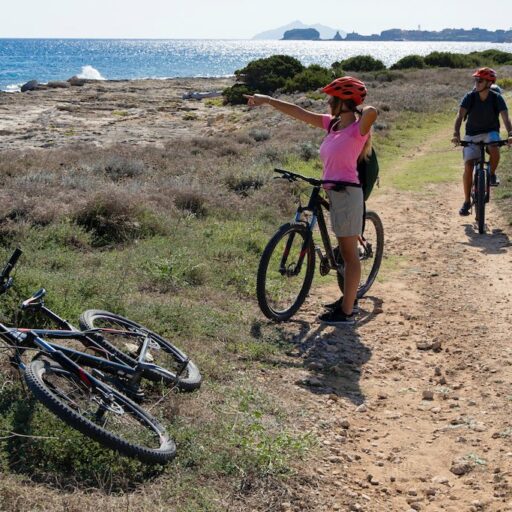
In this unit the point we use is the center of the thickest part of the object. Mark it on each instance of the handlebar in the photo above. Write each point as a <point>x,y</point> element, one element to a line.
<point>466,143</point>
<point>5,279</point>
<point>293,176</point>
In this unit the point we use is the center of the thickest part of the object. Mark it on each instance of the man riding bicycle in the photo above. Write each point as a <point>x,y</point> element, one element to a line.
<point>482,108</point>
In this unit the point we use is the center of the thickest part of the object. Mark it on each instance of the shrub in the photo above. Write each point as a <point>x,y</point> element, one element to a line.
<point>269,74</point>
<point>259,134</point>
<point>234,95</point>
<point>244,182</point>
<point>451,60</point>
<point>113,217</point>
<point>360,63</point>
<point>192,202</point>
<point>410,61</point>
<point>118,167</point>
<point>337,69</point>
<point>490,57</point>
<point>311,78</point>
<point>505,83</point>
<point>307,151</point>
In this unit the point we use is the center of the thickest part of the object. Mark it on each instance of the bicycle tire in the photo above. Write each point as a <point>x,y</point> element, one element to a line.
<point>371,219</point>
<point>480,200</point>
<point>64,393</point>
<point>164,353</point>
<point>271,279</point>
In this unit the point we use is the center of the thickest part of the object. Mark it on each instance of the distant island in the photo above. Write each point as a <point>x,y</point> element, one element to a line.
<point>396,34</point>
<point>277,33</point>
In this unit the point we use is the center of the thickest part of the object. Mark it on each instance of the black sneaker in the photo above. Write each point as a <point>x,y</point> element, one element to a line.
<point>465,209</point>
<point>337,317</point>
<point>337,305</point>
<point>495,181</point>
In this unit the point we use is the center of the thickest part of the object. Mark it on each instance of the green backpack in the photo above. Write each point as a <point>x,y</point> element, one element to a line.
<point>368,171</point>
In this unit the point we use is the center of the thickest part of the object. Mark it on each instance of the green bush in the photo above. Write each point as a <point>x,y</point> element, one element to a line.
<point>235,95</point>
<point>492,57</point>
<point>505,83</point>
<point>311,78</point>
<point>359,63</point>
<point>451,60</point>
<point>337,70</point>
<point>268,74</point>
<point>410,61</point>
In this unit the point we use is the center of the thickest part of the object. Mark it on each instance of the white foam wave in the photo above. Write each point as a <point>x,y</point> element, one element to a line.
<point>90,73</point>
<point>12,88</point>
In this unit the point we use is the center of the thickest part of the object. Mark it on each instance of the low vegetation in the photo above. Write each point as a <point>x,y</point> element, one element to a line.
<point>281,72</point>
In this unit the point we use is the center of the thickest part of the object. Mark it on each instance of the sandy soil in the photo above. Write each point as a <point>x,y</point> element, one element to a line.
<point>413,407</point>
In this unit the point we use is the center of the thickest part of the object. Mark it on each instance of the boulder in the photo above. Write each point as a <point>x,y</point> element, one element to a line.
<point>29,86</point>
<point>76,82</point>
<point>58,84</point>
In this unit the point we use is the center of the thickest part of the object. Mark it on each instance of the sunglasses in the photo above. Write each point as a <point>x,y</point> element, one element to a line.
<point>479,80</point>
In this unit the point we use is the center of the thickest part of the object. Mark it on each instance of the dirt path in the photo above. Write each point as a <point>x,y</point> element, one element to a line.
<point>412,409</point>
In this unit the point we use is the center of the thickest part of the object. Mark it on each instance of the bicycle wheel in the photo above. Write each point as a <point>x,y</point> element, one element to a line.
<point>285,272</point>
<point>480,200</point>
<point>183,372</point>
<point>371,249</point>
<point>102,413</point>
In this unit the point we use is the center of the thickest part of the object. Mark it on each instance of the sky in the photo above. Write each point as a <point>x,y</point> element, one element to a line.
<point>238,19</point>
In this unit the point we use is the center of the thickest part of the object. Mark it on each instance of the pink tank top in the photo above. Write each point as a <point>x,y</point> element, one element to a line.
<point>339,152</point>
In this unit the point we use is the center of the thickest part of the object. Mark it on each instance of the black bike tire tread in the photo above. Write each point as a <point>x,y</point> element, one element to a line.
<point>189,383</point>
<point>262,273</point>
<point>88,428</point>
<point>379,252</point>
<point>480,206</point>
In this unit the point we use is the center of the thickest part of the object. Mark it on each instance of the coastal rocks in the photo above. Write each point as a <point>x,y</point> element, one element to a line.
<point>58,84</point>
<point>31,85</point>
<point>76,82</point>
<point>196,95</point>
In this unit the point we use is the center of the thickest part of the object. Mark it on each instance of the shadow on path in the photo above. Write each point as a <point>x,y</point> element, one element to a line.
<point>495,242</point>
<point>335,356</point>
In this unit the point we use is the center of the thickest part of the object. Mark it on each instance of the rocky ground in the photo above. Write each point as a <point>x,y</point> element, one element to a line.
<point>104,113</point>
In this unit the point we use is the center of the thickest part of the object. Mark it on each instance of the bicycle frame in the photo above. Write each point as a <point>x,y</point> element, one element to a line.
<point>25,338</point>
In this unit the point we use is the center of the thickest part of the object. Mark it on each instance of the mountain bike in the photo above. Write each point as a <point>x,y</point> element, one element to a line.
<point>132,351</point>
<point>287,265</point>
<point>481,188</point>
<point>81,397</point>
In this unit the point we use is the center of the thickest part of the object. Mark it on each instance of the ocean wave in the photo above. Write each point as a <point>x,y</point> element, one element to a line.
<point>90,73</point>
<point>12,88</point>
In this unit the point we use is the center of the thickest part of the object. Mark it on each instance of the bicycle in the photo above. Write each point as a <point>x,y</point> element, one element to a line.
<point>145,354</point>
<point>80,397</point>
<point>481,188</point>
<point>287,264</point>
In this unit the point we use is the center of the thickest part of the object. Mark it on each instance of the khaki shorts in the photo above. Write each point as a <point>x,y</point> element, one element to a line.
<point>473,152</point>
<point>346,208</point>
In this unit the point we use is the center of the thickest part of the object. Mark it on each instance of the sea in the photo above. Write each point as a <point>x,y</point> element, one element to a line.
<point>43,60</point>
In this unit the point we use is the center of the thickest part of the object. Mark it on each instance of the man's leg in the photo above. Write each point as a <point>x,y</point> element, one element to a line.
<point>467,179</point>
<point>494,159</point>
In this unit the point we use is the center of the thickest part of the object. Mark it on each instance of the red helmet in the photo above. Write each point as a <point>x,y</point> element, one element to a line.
<point>486,73</point>
<point>347,88</point>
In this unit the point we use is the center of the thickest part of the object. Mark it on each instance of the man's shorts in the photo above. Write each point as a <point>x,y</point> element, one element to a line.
<point>473,152</point>
<point>346,209</point>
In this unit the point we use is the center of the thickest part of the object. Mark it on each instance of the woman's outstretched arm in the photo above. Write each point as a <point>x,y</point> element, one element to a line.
<point>290,109</point>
